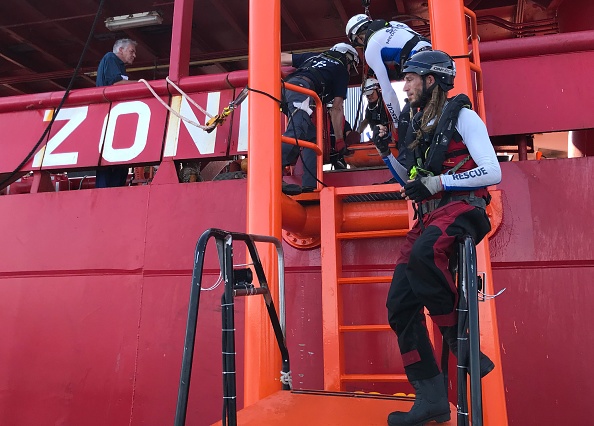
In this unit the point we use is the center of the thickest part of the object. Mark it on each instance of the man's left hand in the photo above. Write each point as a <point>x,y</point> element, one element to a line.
<point>421,189</point>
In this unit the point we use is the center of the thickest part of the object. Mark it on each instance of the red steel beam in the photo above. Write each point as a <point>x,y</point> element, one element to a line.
<point>181,36</point>
<point>536,46</point>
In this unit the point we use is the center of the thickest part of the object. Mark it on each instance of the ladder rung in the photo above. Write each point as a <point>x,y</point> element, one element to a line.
<point>367,327</point>
<point>371,234</point>
<point>364,280</point>
<point>374,378</point>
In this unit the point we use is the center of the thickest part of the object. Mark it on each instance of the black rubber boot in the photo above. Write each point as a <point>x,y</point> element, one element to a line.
<point>291,189</point>
<point>450,335</point>
<point>431,404</point>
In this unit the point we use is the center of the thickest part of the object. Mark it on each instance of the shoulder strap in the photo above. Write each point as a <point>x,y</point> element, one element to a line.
<point>319,82</point>
<point>373,27</point>
<point>340,57</point>
<point>409,46</point>
<point>446,127</point>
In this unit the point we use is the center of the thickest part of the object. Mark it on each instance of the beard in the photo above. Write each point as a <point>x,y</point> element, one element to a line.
<point>421,99</point>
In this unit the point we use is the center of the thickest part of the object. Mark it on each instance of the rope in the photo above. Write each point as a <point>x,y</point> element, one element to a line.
<point>216,284</point>
<point>185,95</point>
<point>174,112</point>
<point>215,120</point>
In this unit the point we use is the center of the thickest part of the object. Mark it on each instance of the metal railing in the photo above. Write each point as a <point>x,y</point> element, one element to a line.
<point>238,282</point>
<point>468,336</point>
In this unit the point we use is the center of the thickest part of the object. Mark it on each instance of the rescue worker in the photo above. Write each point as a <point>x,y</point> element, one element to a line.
<point>328,75</point>
<point>375,112</point>
<point>387,46</point>
<point>450,162</point>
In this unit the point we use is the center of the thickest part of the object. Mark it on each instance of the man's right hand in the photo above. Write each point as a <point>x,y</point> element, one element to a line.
<point>381,139</point>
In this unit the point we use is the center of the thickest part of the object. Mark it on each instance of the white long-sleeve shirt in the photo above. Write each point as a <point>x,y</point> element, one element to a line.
<point>386,45</point>
<point>474,135</point>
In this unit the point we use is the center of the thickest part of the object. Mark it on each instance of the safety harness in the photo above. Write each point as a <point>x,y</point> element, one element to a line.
<point>373,27</point>
<point>432,151</point>
<point>394,69</point>
<point>431,155</point>
<point>319,82</point>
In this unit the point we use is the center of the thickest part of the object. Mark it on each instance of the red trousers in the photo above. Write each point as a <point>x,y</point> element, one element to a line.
<point>422,279</point>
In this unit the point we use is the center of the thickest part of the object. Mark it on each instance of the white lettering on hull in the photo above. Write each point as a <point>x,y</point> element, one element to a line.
<point>114,155</point>
<point>46,156</point>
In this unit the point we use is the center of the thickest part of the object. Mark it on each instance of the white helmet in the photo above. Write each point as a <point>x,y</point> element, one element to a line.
<point>346,48</point>
<point>371,84</point>
<point>354,24</point>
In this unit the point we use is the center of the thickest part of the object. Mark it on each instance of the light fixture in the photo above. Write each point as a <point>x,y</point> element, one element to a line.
<point>133,21</point>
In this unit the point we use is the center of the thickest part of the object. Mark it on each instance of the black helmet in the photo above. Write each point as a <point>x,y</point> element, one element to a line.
<point>433,62</point>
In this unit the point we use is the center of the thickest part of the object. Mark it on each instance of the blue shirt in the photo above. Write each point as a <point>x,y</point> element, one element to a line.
<point>332,72</point>
<point>111,70</point>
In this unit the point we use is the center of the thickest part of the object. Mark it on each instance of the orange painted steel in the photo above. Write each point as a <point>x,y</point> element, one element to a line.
<point>299,219</point>
<point>378,218</point>
<point>365,155</point>
<point>262,358</point>
<point>475,64</point>
<point>318,146</point>
<point>331,264</point>
<point>341,221</point>
<point>365,280</point>
<point>448,33</point>
<point>323,409</point>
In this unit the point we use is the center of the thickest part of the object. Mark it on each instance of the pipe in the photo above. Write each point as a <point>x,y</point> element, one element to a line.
<point>300,220</point>
<point>537,46</point>
<point>304,220</point>
<point>198,83</point>
<point>522,141</point>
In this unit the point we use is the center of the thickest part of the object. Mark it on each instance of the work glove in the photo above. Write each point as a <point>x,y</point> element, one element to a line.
<point>423,188</point>
<point>381,142</point>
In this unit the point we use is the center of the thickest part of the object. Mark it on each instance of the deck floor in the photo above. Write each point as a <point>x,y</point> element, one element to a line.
<point>324,409</point>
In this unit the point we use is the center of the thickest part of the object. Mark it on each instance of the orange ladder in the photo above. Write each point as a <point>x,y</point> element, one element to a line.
<point>334,230</point>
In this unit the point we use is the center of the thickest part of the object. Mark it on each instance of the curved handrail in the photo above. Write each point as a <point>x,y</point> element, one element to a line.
<point>318,145</point>
<point>224,242</point>
<point>468,319</point>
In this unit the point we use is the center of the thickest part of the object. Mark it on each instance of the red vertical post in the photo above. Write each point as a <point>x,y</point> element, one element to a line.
<point>449,33</point>
<point>262,359</point>
<point>522,141</point>
<point>181,36</point>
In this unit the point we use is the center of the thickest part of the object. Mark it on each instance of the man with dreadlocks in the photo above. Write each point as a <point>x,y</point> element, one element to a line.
<point>449,163</point>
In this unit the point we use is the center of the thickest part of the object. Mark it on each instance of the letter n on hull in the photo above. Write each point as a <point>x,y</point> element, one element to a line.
<point>186,141</point>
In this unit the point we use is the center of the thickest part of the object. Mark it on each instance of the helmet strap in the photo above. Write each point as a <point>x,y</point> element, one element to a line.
<point>355,41</point>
